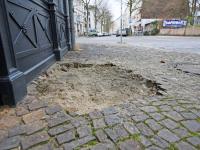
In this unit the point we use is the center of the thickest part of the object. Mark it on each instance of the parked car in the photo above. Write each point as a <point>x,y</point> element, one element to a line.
<point>124,33</point>
<point>92,33</point>
<point>105,34</point>
<point>99,34</point>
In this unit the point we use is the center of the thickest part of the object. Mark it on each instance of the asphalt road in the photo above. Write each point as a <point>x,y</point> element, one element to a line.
<point>166,43</point>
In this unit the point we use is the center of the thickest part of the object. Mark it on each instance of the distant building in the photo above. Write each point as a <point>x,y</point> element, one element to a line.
<point>92,19</point>
<point>197,17</point>
<point>158,10</point>
<point>79,17</point>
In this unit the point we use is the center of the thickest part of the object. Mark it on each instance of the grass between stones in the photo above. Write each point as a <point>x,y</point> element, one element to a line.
<point>89,144</point>
<point>135,137</point>
<point>172,147</point>
<point>195,134</point>
<point>198,120</point>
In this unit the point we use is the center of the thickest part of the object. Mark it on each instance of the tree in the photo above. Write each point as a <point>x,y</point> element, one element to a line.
<point>97,7</point>
<point>86,4</point>
<point>102,14</point>
<point>133,6</point>
<point>193,5</point>
<point>105,19</point>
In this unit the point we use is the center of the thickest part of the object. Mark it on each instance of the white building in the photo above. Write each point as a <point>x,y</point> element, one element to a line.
<point>197,18</point>
<point>79,17</point>
<point>91,20</point>
<point>136,22</point>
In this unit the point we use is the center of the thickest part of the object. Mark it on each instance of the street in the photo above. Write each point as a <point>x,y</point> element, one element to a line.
<point>166,43</point>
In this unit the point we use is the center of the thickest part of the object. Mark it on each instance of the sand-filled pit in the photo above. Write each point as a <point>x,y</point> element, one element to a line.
<point>84,87</point>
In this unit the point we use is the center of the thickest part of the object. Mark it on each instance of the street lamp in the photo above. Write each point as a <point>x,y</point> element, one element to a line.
<point>121,24</point>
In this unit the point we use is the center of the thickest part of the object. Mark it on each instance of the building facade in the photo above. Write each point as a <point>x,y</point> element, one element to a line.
<point>197,17</point>
<point>91,20</point>
<point>79,18</point>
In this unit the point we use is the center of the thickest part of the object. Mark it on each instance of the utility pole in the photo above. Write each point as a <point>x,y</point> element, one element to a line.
<point>121,24</point>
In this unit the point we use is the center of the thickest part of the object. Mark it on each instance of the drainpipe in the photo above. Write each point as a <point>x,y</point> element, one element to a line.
<point>71,17</point>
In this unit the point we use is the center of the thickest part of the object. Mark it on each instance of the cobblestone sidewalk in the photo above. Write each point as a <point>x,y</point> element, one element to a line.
<point>154,123</point>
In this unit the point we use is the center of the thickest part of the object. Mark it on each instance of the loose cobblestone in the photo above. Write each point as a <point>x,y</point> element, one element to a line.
<point>101,136</point>
<point>157,116</point>
<point>188,115</point>
<point>113,120</point>
<point>173,115</point>
<point>77,143</point>
<point>168,135</point>
<point>131,128</point>
<point>192,125</point>
<point>118,132</point>
<point>34,116</point>
<point>79,121</point>
<point>170,124</point>
<point>34,139</point>
<point>109,111</point>
<point>179,108</point>
<point>149,109</point>
<point>45,147</point>
<point>60,129</point>
<point>153,124</point>
<point>95,115</point>
<point>99,123</point>
<point>36,105</point>
<point>10,143</point>
<point>84,131</point>
<point>103,146</point>
<point>145,141</point>
<point>58,118</point>
<point>181,132</point>
<point>140,117</point>
<point>3,134</point>
<point>20,111</point>
<point>194,140</point>
<point>18,130</point>
<point>144,129</point>
<point>50,110</point>
<point>184,146</point>
<point>153,148</point>
<point>160,142</point>
<point>35,127</point>
<point>165,108</point>
<point>66,137</point>
<point>129,145</point>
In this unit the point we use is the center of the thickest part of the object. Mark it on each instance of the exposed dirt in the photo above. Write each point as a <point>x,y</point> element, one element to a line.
<point>85,87</point>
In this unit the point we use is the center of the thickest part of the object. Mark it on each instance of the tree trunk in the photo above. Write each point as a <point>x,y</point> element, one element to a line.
<point>87,19</point>
<point>95,15</point>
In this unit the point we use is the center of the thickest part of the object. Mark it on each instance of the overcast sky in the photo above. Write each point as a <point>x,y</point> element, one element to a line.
<point>114,6</point>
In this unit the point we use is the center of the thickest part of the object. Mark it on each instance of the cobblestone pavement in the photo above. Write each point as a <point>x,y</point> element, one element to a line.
<point>171,121</point>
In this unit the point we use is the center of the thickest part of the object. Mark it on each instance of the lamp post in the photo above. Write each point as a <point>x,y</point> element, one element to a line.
<point>121,25</point>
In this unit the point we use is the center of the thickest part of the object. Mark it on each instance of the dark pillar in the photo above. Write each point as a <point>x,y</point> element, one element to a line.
<point>67,20</point>
<point>72,30</point>
<point>55,35</point>
<point>12,81</point>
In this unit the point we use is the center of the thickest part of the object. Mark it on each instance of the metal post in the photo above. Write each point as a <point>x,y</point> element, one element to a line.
<point>121,24</point>
<point>71,15</point>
